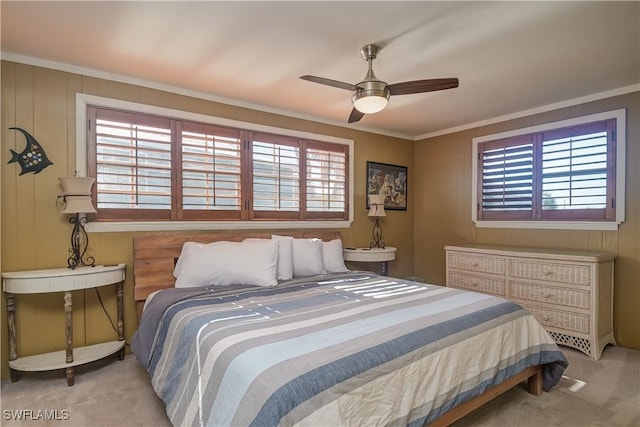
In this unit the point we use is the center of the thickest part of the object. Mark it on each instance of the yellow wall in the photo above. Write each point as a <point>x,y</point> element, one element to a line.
<point>442,211</point>
<point>35,236</point>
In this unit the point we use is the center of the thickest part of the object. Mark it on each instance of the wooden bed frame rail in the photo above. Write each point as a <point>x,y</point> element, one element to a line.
<point>533,376</point>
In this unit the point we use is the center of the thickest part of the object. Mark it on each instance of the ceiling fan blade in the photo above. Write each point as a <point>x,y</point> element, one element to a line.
<point>355,116</point>
<point>329,82</point>
<point>418,86</point>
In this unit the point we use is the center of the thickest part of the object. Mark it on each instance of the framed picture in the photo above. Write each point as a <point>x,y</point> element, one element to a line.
<point>389,180</point>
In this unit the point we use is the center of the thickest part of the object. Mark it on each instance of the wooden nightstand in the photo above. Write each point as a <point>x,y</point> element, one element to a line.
<point>62,280</point>
<point>382,256</point>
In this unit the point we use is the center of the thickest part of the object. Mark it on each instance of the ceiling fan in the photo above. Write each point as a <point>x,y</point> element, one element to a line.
<point>372,95</point>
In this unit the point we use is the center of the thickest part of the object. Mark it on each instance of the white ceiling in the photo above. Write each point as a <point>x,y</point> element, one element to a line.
<point>510,57</point>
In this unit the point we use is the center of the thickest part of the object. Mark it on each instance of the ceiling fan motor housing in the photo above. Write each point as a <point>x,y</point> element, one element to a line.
<point>371,96</point>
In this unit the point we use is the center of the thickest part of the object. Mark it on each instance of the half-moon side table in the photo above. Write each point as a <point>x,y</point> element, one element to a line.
<point>63,280</point>
<point>383,256</point>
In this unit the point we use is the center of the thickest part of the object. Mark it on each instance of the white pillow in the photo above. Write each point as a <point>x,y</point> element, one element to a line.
<point>186,248</point>
<point>307,257</point>
<point>285,256</point>
<point>228,263</point>
<point>333,257</point>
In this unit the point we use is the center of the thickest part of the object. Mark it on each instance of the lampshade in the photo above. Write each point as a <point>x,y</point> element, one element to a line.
<point>376,205</point>
<point>370,104</point>
<point>76,185</point>
<point>77,204</point>
<point>76,194</point>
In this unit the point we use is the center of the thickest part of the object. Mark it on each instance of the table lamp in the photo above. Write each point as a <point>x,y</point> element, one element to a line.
<point>376,212</point>
<point>76,198</point>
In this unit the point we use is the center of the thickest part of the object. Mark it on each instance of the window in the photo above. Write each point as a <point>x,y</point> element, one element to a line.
<point>562,172</point>
<point>130,156</point>
<point>157,168</point>
<point>210,172</point>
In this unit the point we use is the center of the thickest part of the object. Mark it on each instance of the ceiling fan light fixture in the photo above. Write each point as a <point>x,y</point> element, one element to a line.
<point>370,104</point>
<point>371,96</point>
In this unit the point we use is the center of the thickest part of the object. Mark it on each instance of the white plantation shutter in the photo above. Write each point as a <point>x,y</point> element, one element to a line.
<point>574,168</point>
<point>562,174</point>
<point>276,173</point>
<point>211,168</point>
<point>507,177</point>
<point>326,179</point>
<point>133,163</point>
<point>159,168</point>
<point>298,179</point>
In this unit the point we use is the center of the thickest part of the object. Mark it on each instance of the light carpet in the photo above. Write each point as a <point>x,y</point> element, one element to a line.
<point>115,393</point>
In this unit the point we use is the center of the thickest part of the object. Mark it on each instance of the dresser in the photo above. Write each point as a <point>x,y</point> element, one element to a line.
<point>569,292</point>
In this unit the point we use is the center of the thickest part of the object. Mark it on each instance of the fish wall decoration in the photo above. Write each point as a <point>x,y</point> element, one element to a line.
<point>33,158</point>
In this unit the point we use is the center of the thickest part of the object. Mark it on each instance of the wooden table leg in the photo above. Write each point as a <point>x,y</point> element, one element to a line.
<point>70,376</point>
<point>15,375</point>
<point>120,303</point>
<point>11,322</point>
<point>384,268</point>
<point>68,311</point>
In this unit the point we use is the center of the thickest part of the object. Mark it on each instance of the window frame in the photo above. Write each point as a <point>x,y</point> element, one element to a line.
<point>313,221</point>
<point>551,222</point>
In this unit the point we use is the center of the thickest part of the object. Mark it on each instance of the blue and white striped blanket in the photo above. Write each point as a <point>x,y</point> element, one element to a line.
<point>348,349</point>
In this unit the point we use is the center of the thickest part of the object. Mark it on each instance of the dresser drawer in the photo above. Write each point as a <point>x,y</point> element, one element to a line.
<point>495,286</point>
<point>560,319</point>
<point>550,295</point>
<point>479,263</point>
<point>550,272</point>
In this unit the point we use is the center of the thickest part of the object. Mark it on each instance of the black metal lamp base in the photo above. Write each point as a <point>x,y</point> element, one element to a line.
<point>376,238</point>
<point>79,244</point>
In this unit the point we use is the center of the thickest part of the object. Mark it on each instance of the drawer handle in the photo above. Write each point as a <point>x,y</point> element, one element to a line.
<point>474,284</point>
<point>547,273</point>
<point>545,317</point>
<point>546,295</point>
<point>475,264</point>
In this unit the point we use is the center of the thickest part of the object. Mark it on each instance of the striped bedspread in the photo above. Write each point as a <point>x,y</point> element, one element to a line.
<point>349,349</point>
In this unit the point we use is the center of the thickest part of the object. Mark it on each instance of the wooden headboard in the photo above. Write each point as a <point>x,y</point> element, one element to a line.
<point>154,256</point>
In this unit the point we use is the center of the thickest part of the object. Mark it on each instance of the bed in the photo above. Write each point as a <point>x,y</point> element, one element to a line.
<point>326,346</point>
